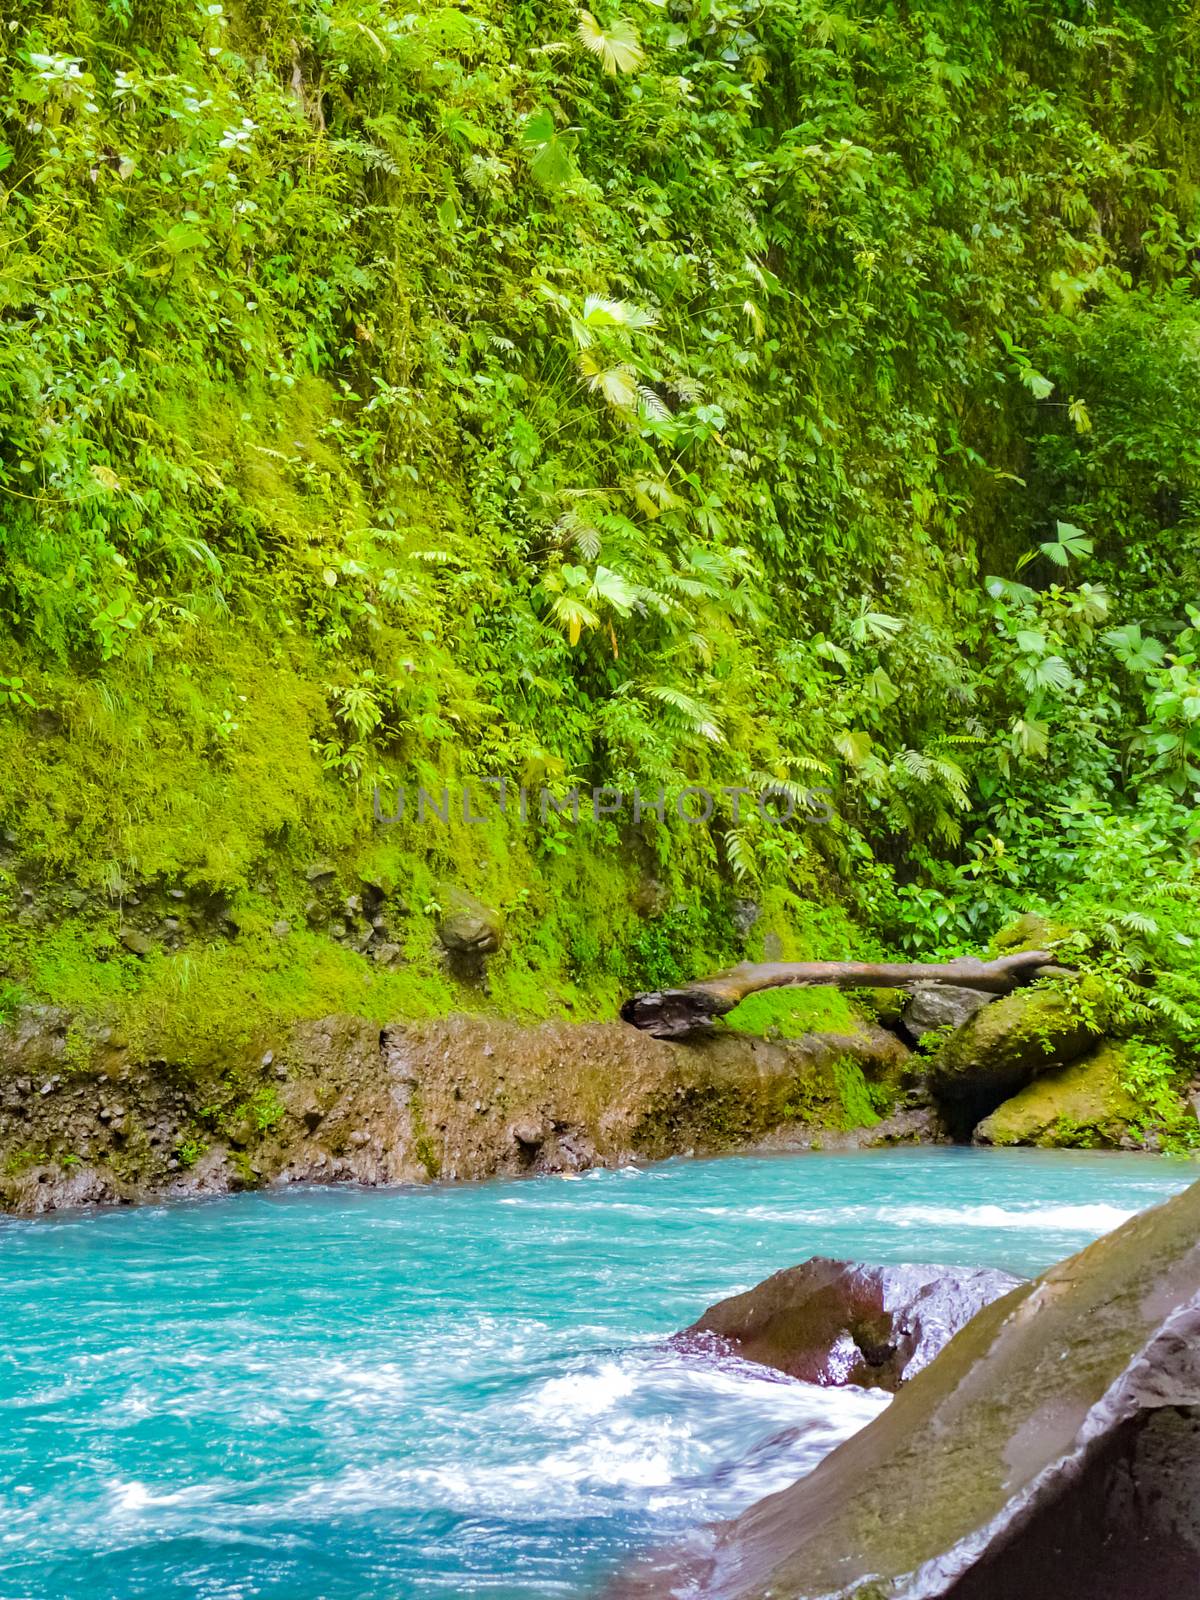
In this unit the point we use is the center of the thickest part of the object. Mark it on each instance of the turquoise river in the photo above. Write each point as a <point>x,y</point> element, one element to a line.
<point>457,1391</point>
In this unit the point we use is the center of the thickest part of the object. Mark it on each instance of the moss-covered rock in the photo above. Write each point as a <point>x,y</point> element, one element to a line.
<point>1029,932</point>
<point>885,1005</point>
<point>1084,1105</point>
<point>88,1116</point>
<point>792,1013</point>
<point>1009,1043</point>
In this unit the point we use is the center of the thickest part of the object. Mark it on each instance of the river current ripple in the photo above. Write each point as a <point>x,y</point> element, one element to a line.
<point>455,1391</point>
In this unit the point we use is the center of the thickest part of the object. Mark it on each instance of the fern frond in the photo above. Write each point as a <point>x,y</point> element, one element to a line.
<point>740,856</point>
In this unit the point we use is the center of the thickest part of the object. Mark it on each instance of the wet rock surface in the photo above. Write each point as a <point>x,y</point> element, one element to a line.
<point>838,1322</point>
<point>1051,1449</point>
<point>87,1118</point>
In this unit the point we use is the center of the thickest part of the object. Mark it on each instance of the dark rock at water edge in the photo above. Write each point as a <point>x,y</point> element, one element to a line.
<point>1051,1451</point>
<point>838,1322</point>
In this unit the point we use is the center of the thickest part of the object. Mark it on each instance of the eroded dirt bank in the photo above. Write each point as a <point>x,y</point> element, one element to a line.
<point>86,1118</point>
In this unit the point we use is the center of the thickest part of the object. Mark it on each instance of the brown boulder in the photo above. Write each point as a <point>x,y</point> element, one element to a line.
<point>837,1322</point>
<point>1051,1450</point>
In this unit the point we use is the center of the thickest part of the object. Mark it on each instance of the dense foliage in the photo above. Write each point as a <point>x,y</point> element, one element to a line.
<point>768,395</point>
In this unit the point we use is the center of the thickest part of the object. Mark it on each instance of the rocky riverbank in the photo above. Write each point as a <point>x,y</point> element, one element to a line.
<point>85,1118</point>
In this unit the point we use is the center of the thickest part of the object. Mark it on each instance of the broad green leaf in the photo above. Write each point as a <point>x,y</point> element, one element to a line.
<point>617,45</point>
<point>854,746</point>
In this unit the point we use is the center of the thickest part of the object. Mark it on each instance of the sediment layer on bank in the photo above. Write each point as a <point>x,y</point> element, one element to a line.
<point>342,1099</point>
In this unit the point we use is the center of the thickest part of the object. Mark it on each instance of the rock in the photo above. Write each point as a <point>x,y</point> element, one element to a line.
<point>319,870</point>
<point>134,940</point>
<point>470,928</point>
<point>941,1005</point>
<point>1031,931</point>
<point>51,1187</point>
<point>1051,1450</point>
<point>836,1322</point>
<point>281,929</point>
<point>1003,1048</point>
<point>650,898</point>
<point>745,914</point>
<point>529,1133</point>
<point>386,955</point>
<point>1084,1105</point>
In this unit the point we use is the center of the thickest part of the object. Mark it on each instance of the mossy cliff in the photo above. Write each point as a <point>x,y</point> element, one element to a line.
<point>716,397</point>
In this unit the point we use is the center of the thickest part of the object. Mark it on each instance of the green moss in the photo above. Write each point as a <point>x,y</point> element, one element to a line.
<point>189,1151</point>
<point>78,1051</point>
<point>858,1102</point>
<point>1084,1105</point>
<point>427,1154</point>
<point>789,1013</point>
<point>1032,931</point>
<point>18,1161</point>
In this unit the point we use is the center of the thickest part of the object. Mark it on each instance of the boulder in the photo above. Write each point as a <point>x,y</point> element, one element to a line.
<point>1084,1105</point>
<point>837,1322</point>
<point>1031,931</point>
<point>135,940</point>
<point>941,1005</point>
<point>1004,1047</point>
<point>470,928</point>
<point>885,1005</point>
<point>1051,1449</point>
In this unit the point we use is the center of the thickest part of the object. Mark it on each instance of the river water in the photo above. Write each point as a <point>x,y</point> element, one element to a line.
<point>457,1391</point>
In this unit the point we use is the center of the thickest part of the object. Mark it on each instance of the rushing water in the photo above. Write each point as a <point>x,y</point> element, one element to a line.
<point>348,1395</point>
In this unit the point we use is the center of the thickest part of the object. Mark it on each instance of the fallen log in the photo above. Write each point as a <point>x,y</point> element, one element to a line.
<point>676,1013</point>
